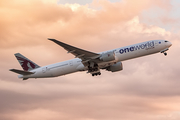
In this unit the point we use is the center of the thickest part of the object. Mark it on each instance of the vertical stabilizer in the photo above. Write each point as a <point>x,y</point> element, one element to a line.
<point>25,63</point>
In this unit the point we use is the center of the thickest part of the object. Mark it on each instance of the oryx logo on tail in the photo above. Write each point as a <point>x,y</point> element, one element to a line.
<point>25,63</point>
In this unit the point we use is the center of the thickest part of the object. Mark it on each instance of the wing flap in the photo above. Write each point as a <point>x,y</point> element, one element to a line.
<point>21,72</point>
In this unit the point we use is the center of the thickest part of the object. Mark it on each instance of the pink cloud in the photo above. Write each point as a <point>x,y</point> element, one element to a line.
<point>147,88</point>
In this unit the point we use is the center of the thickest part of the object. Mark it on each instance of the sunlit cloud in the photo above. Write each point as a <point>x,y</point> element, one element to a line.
<point>147,88</point>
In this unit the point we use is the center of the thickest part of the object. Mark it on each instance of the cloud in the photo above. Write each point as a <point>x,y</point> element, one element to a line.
<point>30,26</point>
<point>147,88</point>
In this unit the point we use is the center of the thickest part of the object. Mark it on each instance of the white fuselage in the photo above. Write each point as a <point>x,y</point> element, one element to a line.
<point>121,54</point>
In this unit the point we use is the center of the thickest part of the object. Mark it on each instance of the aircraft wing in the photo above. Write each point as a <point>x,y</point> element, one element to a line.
<point>77,52</point>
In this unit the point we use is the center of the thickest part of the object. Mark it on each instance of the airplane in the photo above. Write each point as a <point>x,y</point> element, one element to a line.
<point>89,61</point>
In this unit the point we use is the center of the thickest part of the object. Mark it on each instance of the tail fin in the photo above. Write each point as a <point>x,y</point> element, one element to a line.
<point>25,63</point>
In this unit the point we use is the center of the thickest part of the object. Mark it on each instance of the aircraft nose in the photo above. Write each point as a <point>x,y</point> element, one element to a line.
<point>168,44</point>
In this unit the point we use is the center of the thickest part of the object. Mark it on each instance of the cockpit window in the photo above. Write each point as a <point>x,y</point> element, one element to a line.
<point>166,41</point>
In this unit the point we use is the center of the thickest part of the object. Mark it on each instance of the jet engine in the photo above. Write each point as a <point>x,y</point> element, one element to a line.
<point>116,67</point>
<point>106,57</point>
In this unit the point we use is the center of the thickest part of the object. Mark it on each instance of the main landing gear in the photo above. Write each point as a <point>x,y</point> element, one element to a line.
<point>94,69</point>
<point>95,74</point>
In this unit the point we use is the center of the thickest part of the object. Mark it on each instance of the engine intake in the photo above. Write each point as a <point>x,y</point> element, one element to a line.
<point>116,67</point>
<point>106,57</point>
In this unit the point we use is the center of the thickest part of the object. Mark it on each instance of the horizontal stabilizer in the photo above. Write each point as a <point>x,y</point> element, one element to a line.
<point>21,72</point>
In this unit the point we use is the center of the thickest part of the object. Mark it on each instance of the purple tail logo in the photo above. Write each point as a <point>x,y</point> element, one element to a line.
<point>26,64</point>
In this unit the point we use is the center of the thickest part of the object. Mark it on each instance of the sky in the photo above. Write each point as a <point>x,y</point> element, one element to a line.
<point>147,87</point>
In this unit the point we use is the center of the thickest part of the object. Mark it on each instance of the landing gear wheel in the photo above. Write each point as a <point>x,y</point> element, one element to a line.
<point>96,74</point>
<point>165,53</point>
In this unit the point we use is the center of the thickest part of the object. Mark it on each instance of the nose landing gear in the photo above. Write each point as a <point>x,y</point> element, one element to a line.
<point>164,51</point>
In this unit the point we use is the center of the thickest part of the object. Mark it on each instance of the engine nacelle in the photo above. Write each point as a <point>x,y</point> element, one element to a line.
<point>116,67</point>
<point>106,57</point>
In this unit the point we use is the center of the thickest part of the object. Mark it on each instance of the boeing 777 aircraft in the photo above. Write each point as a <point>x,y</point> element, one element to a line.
<point>89,61</point>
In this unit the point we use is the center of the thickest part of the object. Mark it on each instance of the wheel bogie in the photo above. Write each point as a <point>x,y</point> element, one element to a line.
<point>96,74</point>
